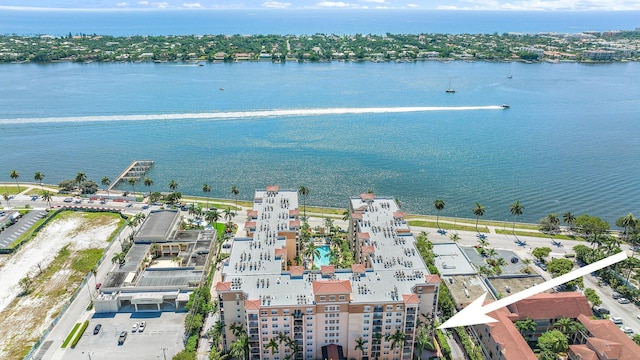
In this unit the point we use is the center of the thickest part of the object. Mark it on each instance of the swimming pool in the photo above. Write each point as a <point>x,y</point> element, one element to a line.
<point>323,259</point>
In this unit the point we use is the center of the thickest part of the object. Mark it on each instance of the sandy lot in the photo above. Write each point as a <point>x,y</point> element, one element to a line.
<point>74,230</point>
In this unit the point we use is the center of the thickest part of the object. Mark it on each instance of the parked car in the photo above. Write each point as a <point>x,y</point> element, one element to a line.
<point>624,301</point>
<point>68,200</point>
<point>616,295</point>
<point>143,325</point>
<point>98,286</point>
<point>96,329</point>
<point>616,320</point>
<point>603,310</point>
<point>626,330</point>
<point>134,328</point>
<point>122,337</point>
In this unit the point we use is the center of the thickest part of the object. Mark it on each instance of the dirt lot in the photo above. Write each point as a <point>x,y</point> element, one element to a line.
<point>55,262</point>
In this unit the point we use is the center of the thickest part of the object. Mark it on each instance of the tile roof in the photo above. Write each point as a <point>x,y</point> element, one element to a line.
<point>410,299</point>
<point>252,213</point>
<point>364,235</point>
<point>367,196</point>
<point>551,306</point>
<point>504,332</point>
<point>606,330</point>
<point>252,305</point>
<point>432,279</point>
<point>294,212</point>
<point>325,287</point>
<point>327,269</point>
<point>583,352</point>
<point>273,188</point>
<point>368,249</point>
<point>357,268</point>
<point>398,214</point>
<point>279,252</point>
<point>223,286</point>
<point>296,270</point>
<point>357,215</point>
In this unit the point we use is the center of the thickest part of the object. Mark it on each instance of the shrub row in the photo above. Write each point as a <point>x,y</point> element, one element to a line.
<point>70,336</point>
<point>79,334</point>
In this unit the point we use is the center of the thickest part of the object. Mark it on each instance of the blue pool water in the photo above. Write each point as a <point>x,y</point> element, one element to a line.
<point>324,256</point>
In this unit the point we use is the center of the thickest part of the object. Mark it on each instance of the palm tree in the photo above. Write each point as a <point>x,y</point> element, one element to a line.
<point>397,339</point>
<point>273,345</point>
<point>375,344</point>
<point>206,189</point>
<point>46,196</point>
<point>106,182</point>
<point>490,253</point>
<point>80,178</point>
<point>132,181</point>
<point>569,219</point>
<point>360,343</point>
<point>526,326</point>
<point>346,215</point>
<point>229,214</point>
<point>173,185</point>
<point>118,258</point>
<point>212,216</point>
<point>478,211</point>
<point>439,205</point>
<point>516,210</point>
<point>235,192</point>
<point>304,191</point>
<point>454,237</point>
<point>38,176</point>
<point>6,199</point>
<point>311,251</point>
<point>240,347</point>
<point>15,175</point>
<point>628,223</point>
<point>148,183</point>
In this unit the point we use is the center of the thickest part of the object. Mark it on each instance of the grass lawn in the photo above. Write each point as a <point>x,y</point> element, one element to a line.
<point>448,226</point>
<point>10,189</point>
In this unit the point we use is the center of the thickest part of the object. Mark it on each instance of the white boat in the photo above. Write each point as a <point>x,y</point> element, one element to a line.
<point>450,90</point>
<point>505,106</point>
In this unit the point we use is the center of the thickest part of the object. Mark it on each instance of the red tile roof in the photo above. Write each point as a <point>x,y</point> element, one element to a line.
<point>367,196</point>
<point>364,235</point>
<point>326,287</point>
<point>327,269</point>
<point>252,305</point>
<point>432,279</point>
<point>296,270</point>
<point>223,286</point>
<point>279,252</point>
<point>250,224</point>
<point>583,352</point>
<point>273,188</point>
<point>294,212</point>
<point>368,249</point>
<point>357,268</point>
<point>608,332</point>
<point>398,214</point>
<point>252,213</point>
<point>504,332</point>
<point>356,215</point>
<point>551,306</point>
<point>294,224</point>
<point>410,299</point>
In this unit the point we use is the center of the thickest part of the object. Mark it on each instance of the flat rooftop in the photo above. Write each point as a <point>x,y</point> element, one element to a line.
<point>451,259</point>
<point>395,264</point>
<point>157,225</point>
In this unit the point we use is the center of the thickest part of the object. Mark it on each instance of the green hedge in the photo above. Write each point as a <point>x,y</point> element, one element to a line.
<point>79,334</point>
<point>70,336</point>
<point>444,345</point>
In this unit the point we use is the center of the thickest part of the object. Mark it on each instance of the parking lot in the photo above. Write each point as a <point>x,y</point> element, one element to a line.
<point>16,230</point>
<point>162,336</point>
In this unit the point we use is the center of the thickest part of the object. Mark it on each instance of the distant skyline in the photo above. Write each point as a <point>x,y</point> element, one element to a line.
<point>505,5</point>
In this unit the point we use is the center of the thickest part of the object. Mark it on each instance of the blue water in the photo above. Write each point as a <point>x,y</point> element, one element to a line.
<point>568,143</point>
<point>324,258</point>
<point>343,21</point>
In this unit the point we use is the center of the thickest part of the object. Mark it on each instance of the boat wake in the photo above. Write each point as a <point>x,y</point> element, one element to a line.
<point>231,115</point>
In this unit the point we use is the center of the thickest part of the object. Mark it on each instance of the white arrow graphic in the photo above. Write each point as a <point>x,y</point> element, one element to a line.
<point>475,313</point>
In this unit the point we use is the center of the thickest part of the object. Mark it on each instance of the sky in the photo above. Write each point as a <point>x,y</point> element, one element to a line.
<point>506,5</point>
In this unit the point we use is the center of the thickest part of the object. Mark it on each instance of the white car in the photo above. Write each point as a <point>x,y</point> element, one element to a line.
<point>616,320</point>
<point>626,330</point>
<point>134,328</point>
<point>142,326</point>
<point>624,301</point>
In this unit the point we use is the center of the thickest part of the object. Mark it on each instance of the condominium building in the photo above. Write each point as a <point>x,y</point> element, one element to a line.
<point>367,311</point>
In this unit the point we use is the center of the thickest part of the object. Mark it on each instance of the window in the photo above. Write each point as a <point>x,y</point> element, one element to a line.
<point>341,298</point>
<point>332,298</point>
<point>323,298</point>
<point>367,316</point>
<point>309,310</point>
<point>274,312</point>
<point>286,311</point>
<point>367,309</point>
<point>389,307</point>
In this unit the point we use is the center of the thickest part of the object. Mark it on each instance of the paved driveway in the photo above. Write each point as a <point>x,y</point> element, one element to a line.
<point>14,231</point>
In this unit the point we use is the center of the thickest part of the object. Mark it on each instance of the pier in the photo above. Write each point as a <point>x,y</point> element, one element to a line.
<point>135,170</point>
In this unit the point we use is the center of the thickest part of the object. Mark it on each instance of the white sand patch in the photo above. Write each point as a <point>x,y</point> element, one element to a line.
<point>43,249</point>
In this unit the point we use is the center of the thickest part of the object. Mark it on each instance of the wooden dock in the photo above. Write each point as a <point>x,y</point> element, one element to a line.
<point>135,170</point>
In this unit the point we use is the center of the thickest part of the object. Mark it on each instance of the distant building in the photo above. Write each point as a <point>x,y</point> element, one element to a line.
<point>325,310</point>
<point>599,55</point>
